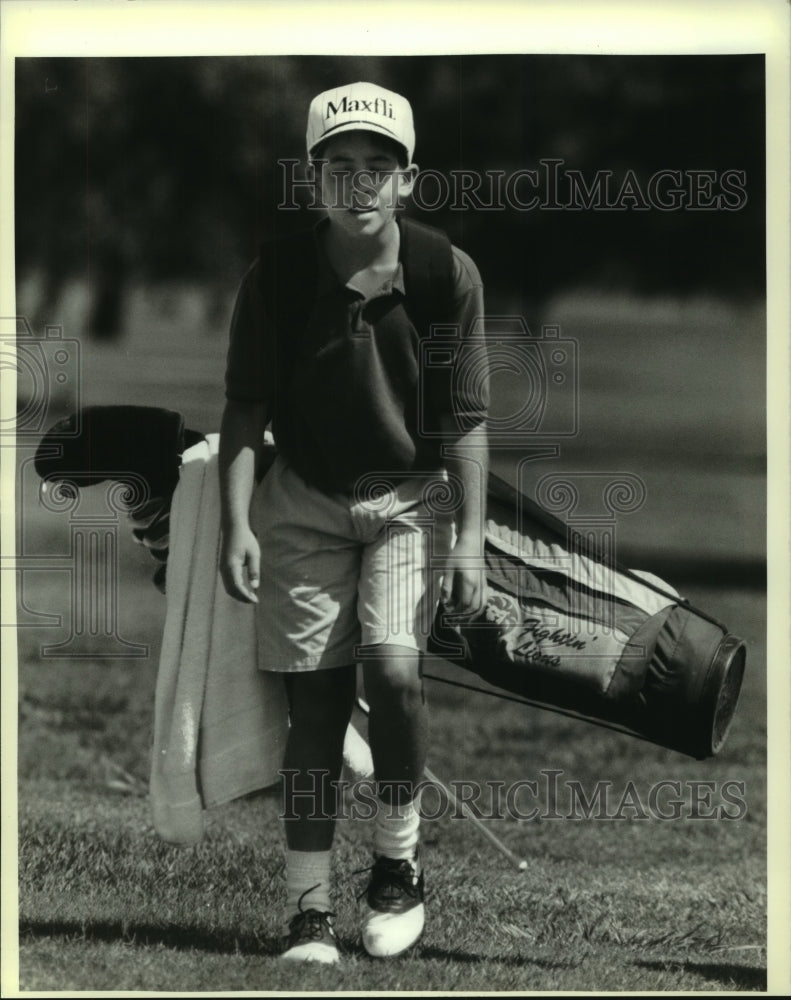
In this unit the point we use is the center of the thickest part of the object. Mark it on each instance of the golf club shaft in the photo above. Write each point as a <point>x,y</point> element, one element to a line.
<point>519,863</point>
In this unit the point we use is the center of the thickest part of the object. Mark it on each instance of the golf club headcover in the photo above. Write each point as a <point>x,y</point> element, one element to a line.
<point>141,444</point>
<point>138,445</point>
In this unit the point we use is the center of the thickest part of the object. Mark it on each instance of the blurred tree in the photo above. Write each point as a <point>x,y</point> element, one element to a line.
<point>165,169</point>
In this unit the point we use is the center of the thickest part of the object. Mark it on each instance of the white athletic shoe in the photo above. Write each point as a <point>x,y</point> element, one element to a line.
<point>311,938</point>
<point>394,912</point>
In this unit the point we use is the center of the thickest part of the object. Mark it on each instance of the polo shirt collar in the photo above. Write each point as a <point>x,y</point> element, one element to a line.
<point>328,281</point>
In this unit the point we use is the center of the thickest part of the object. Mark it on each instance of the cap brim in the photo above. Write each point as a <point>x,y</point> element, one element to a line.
<point>360,126</point>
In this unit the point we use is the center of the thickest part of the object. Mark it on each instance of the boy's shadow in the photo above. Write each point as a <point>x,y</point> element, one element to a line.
<point>429,952</point>
<point>736,977</point>
<point>188,938</point>
<point>226,943</point>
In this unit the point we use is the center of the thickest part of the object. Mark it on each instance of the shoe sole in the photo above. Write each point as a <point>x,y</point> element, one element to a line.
<point>395,954</point>
<point>290,956</point>
<point>401,951</point>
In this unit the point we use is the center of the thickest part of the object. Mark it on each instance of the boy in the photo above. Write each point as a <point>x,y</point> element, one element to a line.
<point>343,572</point>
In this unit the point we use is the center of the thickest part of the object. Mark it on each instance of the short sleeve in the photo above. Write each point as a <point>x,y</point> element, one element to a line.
<point>249,361</point>
<point>465,396</point>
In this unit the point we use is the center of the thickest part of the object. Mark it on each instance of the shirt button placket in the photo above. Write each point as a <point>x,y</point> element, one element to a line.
<point>358,325</point>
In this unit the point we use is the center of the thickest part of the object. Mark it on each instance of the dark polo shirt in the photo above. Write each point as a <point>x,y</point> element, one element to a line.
<point>366,392</point>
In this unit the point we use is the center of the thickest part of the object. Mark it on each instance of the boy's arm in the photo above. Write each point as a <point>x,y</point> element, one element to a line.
<point>467,458</point>
<point>241,436</point>
<point>467,451</point>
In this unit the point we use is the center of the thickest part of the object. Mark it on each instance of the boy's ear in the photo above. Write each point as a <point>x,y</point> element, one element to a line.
<point>313,170</point>
<point>406,179</point>
<point>313,175</point>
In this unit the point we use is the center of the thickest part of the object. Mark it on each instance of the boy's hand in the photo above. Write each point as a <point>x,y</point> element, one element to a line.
<point>464,583</point>
<point>240,564</point>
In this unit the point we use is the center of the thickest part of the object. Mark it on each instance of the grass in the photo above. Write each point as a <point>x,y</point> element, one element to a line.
<point>126,909</point>
<point>624,904</point>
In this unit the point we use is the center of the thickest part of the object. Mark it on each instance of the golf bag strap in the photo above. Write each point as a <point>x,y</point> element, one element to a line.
<point>427,260</point>
<point>290,275</point>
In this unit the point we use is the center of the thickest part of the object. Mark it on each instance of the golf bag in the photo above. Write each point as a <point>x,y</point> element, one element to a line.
<point>563,627</point>
<point>566,628</point>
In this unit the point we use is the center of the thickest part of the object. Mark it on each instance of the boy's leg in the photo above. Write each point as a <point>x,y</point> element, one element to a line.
<point>397,730</point>
<point>320,706</point>
<point>307,624</point>
<point>398,596</point>
<point>398,725</point>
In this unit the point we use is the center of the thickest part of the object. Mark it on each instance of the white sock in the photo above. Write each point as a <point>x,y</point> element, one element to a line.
<point>307,881</point>
<point>397,831</point>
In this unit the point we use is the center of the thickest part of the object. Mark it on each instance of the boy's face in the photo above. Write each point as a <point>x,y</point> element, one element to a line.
<point>361,182</point>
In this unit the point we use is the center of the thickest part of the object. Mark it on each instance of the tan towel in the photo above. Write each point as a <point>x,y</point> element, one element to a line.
<point>220,724</point>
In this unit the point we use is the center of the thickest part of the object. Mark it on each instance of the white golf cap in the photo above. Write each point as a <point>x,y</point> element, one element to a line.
<point>361,107</point>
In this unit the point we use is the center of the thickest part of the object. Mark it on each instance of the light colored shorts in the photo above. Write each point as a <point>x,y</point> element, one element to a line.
<point>340,573</point>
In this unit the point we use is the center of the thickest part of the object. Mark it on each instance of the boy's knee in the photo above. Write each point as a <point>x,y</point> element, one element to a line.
<point>394,676</point>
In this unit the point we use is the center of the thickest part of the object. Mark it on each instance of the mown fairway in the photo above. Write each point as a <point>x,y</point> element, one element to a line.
<point>630,903</point>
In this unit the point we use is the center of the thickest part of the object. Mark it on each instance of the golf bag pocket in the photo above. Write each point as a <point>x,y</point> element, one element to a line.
<point>552,615</point>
